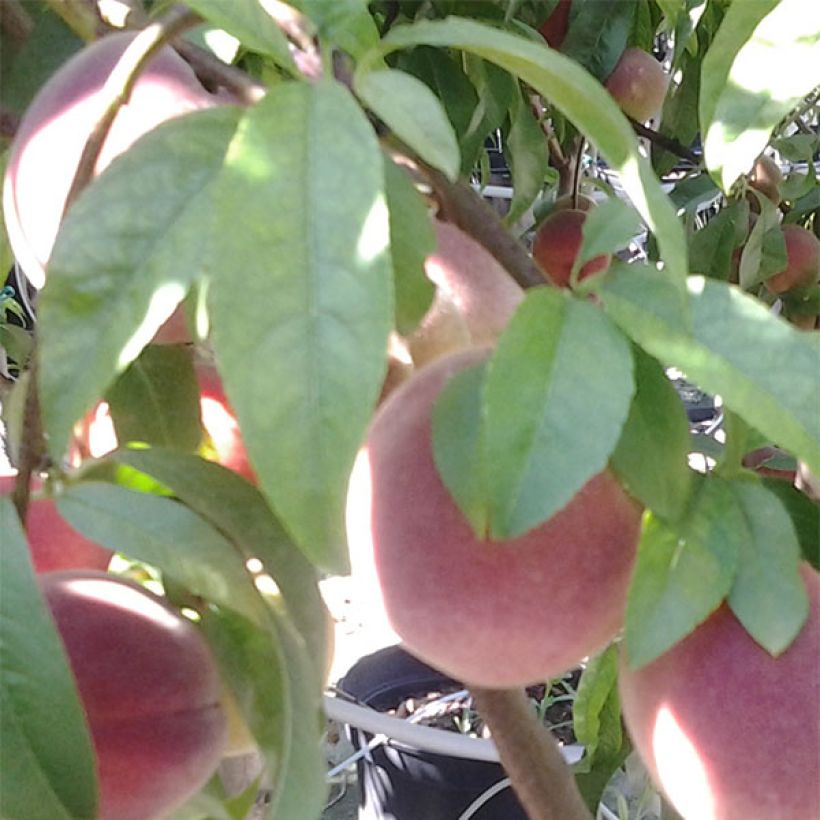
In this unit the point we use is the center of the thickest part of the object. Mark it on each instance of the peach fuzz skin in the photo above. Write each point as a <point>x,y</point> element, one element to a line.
<point>493,614</point>
<point>149,688</point>
<point>728,731</point>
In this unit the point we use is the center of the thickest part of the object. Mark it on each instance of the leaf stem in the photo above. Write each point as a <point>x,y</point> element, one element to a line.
<point>540,777</point>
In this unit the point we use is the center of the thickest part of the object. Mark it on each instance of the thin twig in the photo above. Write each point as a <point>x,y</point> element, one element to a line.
<point>540,776</point>
<point>81,16</point>
<point>118,87</point>
<point>576,172</point>
<point>667,143</point>
<point>212,71</point>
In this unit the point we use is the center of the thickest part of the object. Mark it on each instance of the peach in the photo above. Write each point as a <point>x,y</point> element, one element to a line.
<point>638,84</point>
<point>493,614</point>
<point>554,28</point>
<point>53,543</point>
<point>728,731</point>
<point>766,177</point>
<point>49,142</point>
<point>556,245</point>
<point>150,691</point>
<point>802,261</point>
<point>475,297</point>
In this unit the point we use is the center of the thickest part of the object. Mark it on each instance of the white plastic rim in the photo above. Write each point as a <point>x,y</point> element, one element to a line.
<point>424,738</point>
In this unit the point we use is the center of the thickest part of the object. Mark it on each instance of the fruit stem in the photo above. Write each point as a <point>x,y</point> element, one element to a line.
<point>118,87</point>
<point>31,448</point>
<point>541,779</point>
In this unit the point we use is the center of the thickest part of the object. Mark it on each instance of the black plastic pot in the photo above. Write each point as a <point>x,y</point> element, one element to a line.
<point>399,782</point>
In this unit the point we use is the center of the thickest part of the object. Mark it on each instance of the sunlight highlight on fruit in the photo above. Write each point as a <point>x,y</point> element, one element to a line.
<point>681,771</point>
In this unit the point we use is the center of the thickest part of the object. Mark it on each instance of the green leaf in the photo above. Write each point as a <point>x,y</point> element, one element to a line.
<point>347,23</point>
<point>607,228</point>
<point>651,458</point>
<point>768,595</point>
<point>165,534</point>
<point>526,152</point>
<point>596,715</point>
<point>764,253</point>
<point>252,663</point>
<point>156,400</point>
<point>754,360</point>
<point>130,248</point>
<point>456,448</point>
<point>245,518</point>
<point>683,571</point>
<point>578,96</point>
<point>250,22</point>
<point>496,91</point>
<point>569,370</point>
<point>316,300</point>
<point>597,35</point>
<point>805,516</point>
<point>599,678</point>
<point>46,756</point>
<point>414,113</point>
<point>710,248</point>
<point>762,62</point>
<point>412,239</point>
<point>446,78</point>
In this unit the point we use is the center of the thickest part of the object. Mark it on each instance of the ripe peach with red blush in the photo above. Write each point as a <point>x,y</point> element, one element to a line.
<point>726,730</point>
<point>469,606</point>
<point>802,261</point>
<point>53,543</point>
<point>149,688</point>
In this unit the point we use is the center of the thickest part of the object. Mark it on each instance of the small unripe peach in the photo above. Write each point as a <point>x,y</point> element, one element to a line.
<point>149,688</point>
<point>471,607</point>
<point>802,261</point>
<point>638,84</point>
<point>556,245</point>
<point>766,177</point>
<point>728,731</point>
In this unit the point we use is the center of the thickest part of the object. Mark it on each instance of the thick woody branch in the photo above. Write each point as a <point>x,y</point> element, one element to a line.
<point>541,778</point>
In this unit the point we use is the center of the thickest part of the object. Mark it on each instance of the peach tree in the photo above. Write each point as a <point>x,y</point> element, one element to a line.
<point>253,247</point>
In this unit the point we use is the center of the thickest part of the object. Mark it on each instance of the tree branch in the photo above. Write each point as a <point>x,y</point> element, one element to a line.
<point>466,209</point>
<point>118,87</point>
<point>667,143</point>
<point>540,777</point>
<point>31,451</point>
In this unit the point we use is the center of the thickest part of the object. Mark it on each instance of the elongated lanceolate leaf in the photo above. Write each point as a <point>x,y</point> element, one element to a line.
<point>577,95</point>
<point>556,394</point>
<point>768,595</point>
<point>683,572</point>
<point>764,369</point>
<point>130,248</point>
<point>300,330</point>
<point>765,58</point>
<point>166,534</point>
<point>46,757</point>
<point>414,113</point>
